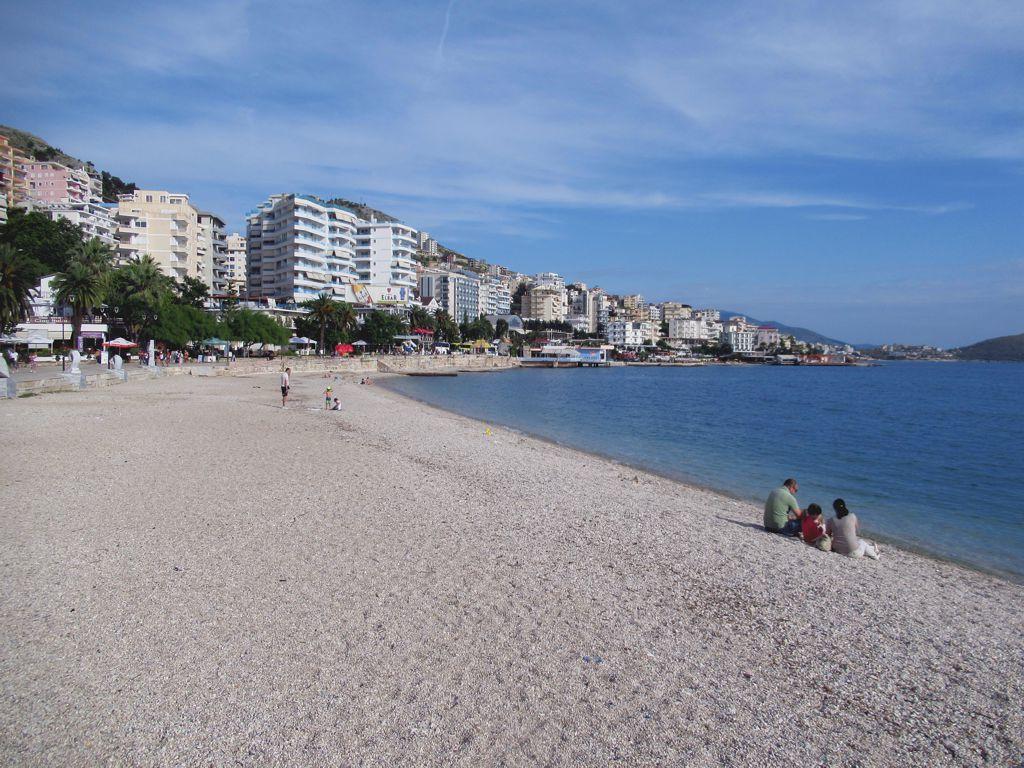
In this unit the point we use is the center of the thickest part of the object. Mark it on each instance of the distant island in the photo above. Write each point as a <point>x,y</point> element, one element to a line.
<point>1001,348</point>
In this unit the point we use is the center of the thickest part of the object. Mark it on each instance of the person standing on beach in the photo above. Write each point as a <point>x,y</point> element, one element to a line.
<point>781,512</point>
<point>285,386</point>
<point>844,529</point>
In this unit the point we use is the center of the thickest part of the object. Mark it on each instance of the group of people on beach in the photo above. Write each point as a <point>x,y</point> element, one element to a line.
<point>840,533</point>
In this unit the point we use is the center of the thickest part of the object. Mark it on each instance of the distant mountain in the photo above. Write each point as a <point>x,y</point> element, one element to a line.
<point>1009,348</point>
<point>800,334</point>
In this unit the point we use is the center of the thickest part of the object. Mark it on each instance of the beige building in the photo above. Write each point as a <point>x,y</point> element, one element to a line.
<point>163,225</point>
<point>236,260</point>
<point>634,309</point>
<point>673,310</point>
<point>544,302</point>
<point>13,179</point>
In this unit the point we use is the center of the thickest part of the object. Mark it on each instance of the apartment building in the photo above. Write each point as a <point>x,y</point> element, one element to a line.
<point>634,309</point>
<point>299,246</point>
<point>426,244</point>
<point>95,219</point>
<point>690,330</point>
<point>549,278</point>
<point>629,333</point>
<point>163,225</point>
<point>707,314</point>
<point>13,182</point>
<point>384,261</point>
<point>3,207</point>
<point>495,297</point>
<point>741,340</point>
<point>50,182</point>
<point>767,336</point>
<point>545,302</point>
<point>212,252</point>
<point>235,262</point>
<point>672,310</point>
<point>457,293</point>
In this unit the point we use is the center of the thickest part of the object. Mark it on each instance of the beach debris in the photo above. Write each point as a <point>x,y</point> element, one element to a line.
<point>487,431</point>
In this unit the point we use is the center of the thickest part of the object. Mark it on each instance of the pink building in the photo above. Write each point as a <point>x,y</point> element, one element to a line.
<point>56,183</point>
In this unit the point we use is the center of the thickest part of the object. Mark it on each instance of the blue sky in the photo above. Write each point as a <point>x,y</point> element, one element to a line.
<point>857,168</point>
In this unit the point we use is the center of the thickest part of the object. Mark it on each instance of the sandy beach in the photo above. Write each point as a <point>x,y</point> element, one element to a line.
<point>194,576</point>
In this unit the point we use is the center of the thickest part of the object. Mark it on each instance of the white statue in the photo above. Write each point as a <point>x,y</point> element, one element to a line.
<point>76,358</point>
<point>152,354</point>
<point>118,362</point>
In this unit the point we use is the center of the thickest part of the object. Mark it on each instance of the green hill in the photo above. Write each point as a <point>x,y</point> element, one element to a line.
<point>41,150</point>
<point>1008,348</point>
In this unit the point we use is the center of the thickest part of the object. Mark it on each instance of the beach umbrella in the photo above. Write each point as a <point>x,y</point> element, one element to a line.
<point>120,343</point>
<point>215,342</point>
<point>359,343</point>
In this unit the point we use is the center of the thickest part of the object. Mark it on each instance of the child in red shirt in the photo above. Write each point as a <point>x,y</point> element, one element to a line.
<point>813,528</point>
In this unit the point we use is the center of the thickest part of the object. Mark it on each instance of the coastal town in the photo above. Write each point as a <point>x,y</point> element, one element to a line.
<point>321,270</point>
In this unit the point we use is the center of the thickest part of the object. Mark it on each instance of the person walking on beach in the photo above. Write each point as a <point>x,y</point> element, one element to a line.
<point>781,512</point>
<point>844,529</point>
<point>285,386</point>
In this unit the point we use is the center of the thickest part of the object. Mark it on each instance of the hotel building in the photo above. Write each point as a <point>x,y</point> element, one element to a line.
<point>545,302</point>
<point>384,261</point>
<point>495,297</point>
<point>160,224</point>
<point>629,333</point>
<point>457,293</point>
<point>300,246</point>
<point>94,219</point>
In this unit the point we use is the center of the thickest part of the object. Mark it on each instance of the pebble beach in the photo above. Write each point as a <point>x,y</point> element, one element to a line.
<point>192,575</point>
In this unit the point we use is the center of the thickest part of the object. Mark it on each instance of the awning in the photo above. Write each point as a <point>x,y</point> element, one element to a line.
<point>120,343</point>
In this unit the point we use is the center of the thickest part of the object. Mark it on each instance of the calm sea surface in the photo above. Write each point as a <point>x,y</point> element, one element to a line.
<point>930,455</point>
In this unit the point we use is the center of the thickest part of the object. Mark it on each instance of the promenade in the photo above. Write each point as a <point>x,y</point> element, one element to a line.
<point>192,575</point>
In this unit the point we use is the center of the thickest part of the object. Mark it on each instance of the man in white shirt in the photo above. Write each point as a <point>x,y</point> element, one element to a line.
<point>285,386</point>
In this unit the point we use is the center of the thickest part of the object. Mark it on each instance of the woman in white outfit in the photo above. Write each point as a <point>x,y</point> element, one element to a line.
<point>844,529</point>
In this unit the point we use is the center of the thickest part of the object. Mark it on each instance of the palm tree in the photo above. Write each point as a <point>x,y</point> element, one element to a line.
<point>17,279</point>
<point>420,318</point>
<point>137,290</point>
<point>322,310</point>
<point>81,288</point>
<point>346,317</point>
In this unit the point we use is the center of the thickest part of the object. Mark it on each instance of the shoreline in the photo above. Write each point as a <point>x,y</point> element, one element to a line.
<point>222,580</point>
<point>889,542</point>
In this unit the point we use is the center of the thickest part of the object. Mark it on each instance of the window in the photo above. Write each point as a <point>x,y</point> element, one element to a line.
<point>149,198</point>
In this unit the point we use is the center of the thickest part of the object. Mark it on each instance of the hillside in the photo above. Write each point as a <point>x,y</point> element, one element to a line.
<point>41,150</point>
<point>800,334</point>
<point>1004,348</point>
<point>362,210</point>
<point>38,148</point>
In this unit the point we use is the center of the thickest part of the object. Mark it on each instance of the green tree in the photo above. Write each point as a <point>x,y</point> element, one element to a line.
<point>251,327</point>
<point>83,284</point>
<point>322,311</point>
<point>380,329</point>
<point>193,292</point>
<point>446,329</point>
<point>136,292</point>
<point>50,244</point>
<point>17,279</point>
<point>501,329</point>
<point>420,318</point>
<point>182,324</point>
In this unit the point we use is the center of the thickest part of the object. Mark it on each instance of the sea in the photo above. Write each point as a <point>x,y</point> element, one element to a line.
<point>930,455</point>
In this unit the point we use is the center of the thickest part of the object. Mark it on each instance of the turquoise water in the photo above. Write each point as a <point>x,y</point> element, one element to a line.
<point>929,455</point>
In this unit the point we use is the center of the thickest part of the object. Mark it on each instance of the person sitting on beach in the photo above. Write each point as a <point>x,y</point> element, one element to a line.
<point>844,529</point>
<point>813,528</point>
<point>781,512</point>
<point>336,406</point>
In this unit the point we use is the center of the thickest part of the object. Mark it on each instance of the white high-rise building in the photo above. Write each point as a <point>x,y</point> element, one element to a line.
<point>495,297</point>
<point>628,333</point>
<point>212,252</point>
<point>384,261</point>
<point>690,330</point>
<point>94,219</point>
<point>457,293</point>
<point>300,246</point>
<point>549,278</point>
